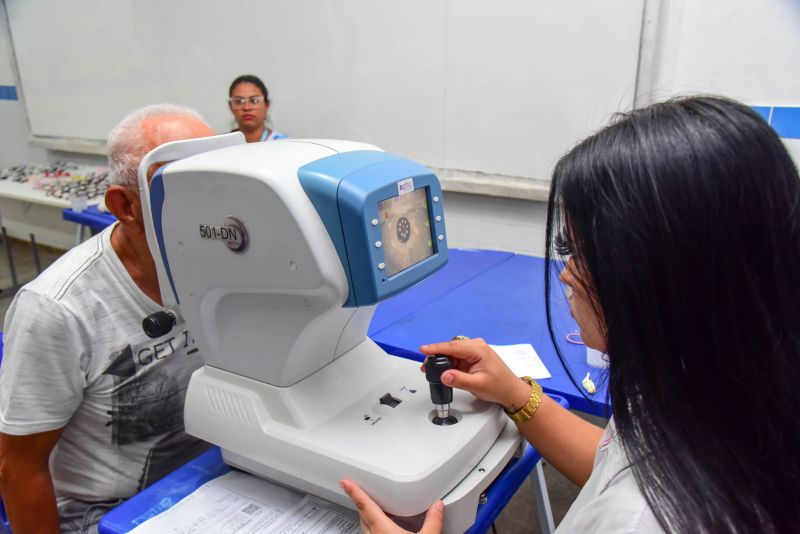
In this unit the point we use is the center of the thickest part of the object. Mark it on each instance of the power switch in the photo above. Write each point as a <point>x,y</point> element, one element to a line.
<point>390,401</point>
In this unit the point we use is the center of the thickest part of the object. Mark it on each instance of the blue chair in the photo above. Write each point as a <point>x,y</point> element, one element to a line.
<point>508,482</point>
<point>4,528</point>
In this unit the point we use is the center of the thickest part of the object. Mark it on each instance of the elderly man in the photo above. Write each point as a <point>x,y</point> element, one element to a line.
<point>91,409</point>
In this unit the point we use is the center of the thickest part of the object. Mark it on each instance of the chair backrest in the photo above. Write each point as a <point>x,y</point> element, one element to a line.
<point>3,519</point>
<point>4,527</point>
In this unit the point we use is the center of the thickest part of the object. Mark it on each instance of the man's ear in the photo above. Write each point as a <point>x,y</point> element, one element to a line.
<point>124,203</point>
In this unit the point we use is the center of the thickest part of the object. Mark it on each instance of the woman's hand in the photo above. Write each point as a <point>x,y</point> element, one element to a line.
<point>479,370</point>
<point>375,521</point>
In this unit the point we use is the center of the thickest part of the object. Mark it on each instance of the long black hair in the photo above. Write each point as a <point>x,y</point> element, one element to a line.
<point>685,218</point>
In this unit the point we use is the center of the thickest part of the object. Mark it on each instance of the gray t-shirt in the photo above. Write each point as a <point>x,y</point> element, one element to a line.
<point>76,357</point>
<point>610,501</point>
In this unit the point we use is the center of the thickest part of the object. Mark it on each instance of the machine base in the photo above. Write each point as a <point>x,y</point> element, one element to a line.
<point>339,423</point>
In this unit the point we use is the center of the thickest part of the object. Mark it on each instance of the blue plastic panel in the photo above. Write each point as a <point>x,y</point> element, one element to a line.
<point>346,190</point>
<point>156,208</point>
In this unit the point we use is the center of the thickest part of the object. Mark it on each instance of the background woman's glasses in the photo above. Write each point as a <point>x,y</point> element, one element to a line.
<point>239,101</point>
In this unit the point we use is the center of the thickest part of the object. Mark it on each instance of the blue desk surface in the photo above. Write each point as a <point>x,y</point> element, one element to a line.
<point>496,296</point>
<point>91,217</point>
<point>168,491</point>
<point>462,266</point>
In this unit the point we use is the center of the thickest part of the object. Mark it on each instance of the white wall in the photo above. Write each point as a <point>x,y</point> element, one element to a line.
<point>20,218</point>
<point>747,50</point>
<point>496,89</point>
<point>511,224</point>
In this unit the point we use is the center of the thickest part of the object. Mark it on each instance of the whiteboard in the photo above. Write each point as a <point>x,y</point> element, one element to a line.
<point>501,88</point>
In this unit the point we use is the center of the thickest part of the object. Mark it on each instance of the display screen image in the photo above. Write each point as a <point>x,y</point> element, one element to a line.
<point>405,230</point>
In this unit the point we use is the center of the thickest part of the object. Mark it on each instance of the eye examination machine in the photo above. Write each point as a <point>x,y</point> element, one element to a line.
<point>275,255</point>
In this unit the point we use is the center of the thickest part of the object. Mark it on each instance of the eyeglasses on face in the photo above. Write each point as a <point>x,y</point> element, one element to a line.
<point>239,101</point>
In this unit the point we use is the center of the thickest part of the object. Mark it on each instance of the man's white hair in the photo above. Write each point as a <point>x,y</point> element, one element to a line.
<point>126,146</point>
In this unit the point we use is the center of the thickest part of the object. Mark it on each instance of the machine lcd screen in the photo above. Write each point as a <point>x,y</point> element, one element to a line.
<point>405,230</point>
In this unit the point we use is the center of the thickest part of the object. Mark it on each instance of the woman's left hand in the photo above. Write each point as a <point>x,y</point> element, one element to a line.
<point>375,521</point>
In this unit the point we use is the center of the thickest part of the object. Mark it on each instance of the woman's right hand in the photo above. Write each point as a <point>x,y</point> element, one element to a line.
<point>375,521</point>
<point>479,370</point>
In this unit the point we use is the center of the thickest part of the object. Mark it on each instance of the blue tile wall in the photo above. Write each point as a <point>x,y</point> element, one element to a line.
<point>784,120</point>
<point>8,92</point>
<point>764,111</point>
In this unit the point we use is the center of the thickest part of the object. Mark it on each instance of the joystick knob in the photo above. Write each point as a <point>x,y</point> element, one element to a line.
<point>441,395</point>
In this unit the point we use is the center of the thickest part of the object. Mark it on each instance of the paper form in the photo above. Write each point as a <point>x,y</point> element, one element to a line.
<point>522,360</point>
<point>243,504</point>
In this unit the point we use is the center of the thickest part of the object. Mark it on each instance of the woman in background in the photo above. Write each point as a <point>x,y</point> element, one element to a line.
<point>249,103</point>
<point>676,231</point>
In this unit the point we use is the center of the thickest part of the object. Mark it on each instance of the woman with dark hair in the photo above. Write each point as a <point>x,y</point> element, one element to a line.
<point>676,231</point>
<point>248,100</point>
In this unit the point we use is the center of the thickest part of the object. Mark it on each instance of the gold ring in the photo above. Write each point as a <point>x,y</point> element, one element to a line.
<point>460,338</point>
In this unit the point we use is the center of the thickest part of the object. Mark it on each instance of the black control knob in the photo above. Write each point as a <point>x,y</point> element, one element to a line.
<point>441,395</point>
<point>159,323</point>
<point>434,367</point>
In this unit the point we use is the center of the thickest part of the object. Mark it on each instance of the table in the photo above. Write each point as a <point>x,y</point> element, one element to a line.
<point>498,296</point>
<point>91,217</point>
<point>168,491</point>
<point>25,193</point>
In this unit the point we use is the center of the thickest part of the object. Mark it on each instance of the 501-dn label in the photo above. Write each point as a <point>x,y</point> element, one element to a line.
<point>232,232</point>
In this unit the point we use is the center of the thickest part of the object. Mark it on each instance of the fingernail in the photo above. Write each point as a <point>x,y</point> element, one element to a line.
<point>341,485</point>
<point>440,506</point>
<point>447,378</point>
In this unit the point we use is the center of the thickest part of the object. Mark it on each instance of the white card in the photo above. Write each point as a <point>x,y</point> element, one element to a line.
<point>522,360</point>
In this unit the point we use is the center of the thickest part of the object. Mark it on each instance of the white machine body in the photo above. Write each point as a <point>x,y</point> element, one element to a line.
<point>293,389</point>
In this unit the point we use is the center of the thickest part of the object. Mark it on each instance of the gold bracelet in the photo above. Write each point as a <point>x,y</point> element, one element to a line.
<point>530,407</point>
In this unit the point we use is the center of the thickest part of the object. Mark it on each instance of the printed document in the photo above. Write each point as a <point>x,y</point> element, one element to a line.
<point>243,504</point>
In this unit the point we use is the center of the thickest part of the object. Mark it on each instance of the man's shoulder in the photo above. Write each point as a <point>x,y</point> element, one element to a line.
<point>71,269</point>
